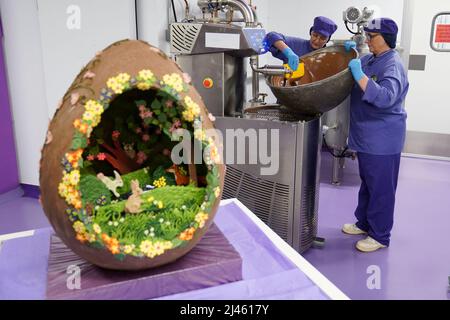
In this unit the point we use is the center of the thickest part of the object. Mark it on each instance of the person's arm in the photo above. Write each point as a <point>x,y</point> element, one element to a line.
<point>272,37</point>
<point>384,93</point>
<point>358,74</point>
<point>363,83</point>
<point>280,45</point>
<point>282,50</point>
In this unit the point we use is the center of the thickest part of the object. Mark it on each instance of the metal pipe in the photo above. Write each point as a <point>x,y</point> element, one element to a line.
<point>222,21</point>
<point>255,78</point>
<point>268,69</point>
<point>245,9</point>
<point>241,5</point>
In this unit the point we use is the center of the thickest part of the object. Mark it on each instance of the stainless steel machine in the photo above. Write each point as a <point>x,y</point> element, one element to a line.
<point>336,122</point>
<point>214,50</point>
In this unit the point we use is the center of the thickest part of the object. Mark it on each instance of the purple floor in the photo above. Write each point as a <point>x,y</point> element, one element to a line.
<point>20,214</point>
<point>417,263</point>
<point>415,266</point>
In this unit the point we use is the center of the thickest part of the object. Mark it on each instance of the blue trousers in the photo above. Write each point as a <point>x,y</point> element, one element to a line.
<point>376,198</point>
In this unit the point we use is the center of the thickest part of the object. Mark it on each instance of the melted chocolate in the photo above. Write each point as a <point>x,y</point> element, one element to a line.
<point>318,67</point>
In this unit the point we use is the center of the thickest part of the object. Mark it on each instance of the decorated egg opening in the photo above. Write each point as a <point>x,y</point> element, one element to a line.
<point>125,203</point>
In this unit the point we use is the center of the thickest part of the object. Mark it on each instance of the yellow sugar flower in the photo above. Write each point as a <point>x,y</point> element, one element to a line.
<point>95,121</point>
<point>74,177</point>
<point>117,84</point>
<point>90,237</point>
<point>62,189</point>
<point>127,249</point>
<point>161,182</point>
<point>192,109</point>
<point>66,178</point>
<point>173,80</point>
<point>158,248</point>
<point>112,82</point>
<point>217,191</point>
<point>79,227</point>
<point>143,86</point>
<point>145,246</point>
<point>123,77</point>
<point>88,116</point>
<point>97,228</point>
<point>200,218</point>
<point>145,75</point>
<point>200,134</point>
<point>94,107</point>
<point>167,245</point>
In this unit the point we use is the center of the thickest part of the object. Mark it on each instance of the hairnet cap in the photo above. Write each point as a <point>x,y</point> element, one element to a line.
<point>382,25</point>
<point>324,26</point>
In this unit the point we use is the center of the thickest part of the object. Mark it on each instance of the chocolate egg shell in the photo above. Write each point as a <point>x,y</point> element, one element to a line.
<point>131,57</point>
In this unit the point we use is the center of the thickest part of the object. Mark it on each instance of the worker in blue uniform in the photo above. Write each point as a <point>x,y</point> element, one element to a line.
<point>377,132</point>
<point>289,49</point>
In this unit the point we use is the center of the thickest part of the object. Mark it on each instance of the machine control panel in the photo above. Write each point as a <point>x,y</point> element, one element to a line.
<point>255,38</point>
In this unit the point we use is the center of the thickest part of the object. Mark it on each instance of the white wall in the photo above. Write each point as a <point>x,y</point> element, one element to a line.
<point>72,31</point>
<point>23,54</point>
<point>428,103</point>
<point>152,18</point>
<point>43,57</point>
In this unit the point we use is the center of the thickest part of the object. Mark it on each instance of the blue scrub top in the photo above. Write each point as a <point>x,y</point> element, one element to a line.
<point>298,45</point>
<point>377,116</point>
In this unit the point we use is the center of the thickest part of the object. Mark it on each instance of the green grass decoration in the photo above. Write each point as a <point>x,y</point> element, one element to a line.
<point>92,189</point>
<point>180,204</point>
<point>142,175</point>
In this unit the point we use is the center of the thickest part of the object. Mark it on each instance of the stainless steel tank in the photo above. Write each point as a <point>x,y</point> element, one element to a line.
<point>288,200</point>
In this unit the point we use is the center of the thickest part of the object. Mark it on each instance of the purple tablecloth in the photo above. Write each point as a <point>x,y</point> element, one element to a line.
<point>267,273</point>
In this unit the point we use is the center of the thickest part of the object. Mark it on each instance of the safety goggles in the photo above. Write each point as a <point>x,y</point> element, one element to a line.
<point>318,36</point>
<point>370,36</point>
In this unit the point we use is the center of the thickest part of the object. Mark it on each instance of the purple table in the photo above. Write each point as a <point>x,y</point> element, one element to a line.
<point>266,271</point>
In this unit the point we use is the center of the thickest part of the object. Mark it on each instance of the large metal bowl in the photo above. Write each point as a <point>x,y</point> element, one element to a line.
<point>326,83</point>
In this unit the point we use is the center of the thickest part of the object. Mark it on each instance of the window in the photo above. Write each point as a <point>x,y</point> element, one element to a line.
<point>440,32</point>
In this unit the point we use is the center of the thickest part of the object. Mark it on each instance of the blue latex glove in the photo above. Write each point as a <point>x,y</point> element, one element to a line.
<point>292,58</point>
<point>356,69</point>
<point>349,45</point>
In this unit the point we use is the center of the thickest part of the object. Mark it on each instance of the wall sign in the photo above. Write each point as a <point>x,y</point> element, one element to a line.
<point>440,32</point>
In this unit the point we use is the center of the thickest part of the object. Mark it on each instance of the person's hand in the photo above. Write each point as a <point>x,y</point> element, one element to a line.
<point>349,44</point>
<point>292,58</point>
<point>356,69</point>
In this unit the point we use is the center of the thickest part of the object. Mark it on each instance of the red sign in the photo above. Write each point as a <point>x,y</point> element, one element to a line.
<point>442,33</point>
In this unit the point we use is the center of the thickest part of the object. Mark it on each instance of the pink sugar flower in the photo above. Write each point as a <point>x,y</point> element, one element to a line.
<point>115,134</point>
<point>101,156</point>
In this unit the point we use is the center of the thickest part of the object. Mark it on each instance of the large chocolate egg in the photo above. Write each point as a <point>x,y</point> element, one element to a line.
<point>111,184</point>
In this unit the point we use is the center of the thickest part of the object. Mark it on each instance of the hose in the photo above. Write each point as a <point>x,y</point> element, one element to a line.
<point>331,150</point>
<point>173,10</point>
